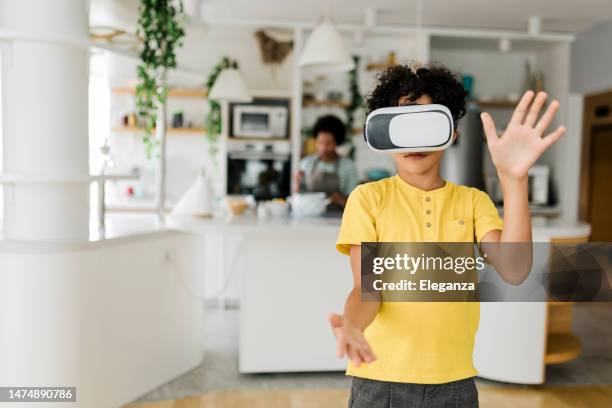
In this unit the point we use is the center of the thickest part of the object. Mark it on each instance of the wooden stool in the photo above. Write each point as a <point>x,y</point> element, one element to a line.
<point>562,345</point>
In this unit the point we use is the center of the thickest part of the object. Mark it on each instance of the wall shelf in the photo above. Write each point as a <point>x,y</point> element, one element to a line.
<point>378,66</point>
<point>325,103</point>
<point>185,131</point>
<point>259,139</point>
<point>172,93</point>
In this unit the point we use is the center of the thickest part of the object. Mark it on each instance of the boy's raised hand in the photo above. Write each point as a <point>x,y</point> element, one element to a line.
<point>522,143</point>
<point>350,341</point>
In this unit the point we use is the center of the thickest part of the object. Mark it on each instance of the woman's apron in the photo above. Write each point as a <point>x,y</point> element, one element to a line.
<point>326,182</point>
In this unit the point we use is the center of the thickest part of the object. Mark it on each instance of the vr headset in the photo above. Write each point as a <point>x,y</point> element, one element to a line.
<point>409,129</point>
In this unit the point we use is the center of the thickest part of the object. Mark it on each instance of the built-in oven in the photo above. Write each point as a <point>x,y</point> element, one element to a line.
<point>263,118</point>
<point>262,169</point>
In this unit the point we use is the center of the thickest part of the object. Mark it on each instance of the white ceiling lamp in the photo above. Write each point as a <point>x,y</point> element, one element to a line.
<point>505,45</point>
<point>369,19</point>
<point>230,87</point>
<point>325,51</point>
<point>534,25</point>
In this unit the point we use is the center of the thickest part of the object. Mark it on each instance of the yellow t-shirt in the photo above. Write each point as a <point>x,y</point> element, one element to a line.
<point>426,342</point>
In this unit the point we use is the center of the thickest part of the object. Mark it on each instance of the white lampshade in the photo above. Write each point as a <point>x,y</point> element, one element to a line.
<point>325,52</point>
<point>230,87</point>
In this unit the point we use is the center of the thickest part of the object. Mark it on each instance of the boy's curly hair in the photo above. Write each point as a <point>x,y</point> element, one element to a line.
<point>443,86</point>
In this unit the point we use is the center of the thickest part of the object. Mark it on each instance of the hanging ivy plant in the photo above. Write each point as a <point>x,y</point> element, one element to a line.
<point>213,117</point>
<point>355,99</point>
<point>161,30</point>
<point>355,102</point>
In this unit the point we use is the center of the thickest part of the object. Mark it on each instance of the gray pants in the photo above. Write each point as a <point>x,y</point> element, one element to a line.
<point>366,393</point>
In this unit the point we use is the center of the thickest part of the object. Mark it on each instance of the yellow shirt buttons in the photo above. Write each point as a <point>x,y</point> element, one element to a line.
<point>427,212</point>
<point>428,199</point>
<point>428,225</point>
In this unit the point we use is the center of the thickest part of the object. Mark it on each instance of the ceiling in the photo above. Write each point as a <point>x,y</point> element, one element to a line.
<point>557,15</point>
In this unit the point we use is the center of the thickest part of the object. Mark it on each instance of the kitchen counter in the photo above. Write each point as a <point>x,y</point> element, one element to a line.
<point>543,229</point>
<point>246,224</point>
<point>290,272</point>
<point>120,228</point>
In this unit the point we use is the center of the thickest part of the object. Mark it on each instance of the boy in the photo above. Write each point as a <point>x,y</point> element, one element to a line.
<point>420,354</point>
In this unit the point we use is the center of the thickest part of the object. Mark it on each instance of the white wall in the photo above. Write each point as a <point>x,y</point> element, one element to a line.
<point>496,74</point>
<point>592,59</point>
<point>563,156</point>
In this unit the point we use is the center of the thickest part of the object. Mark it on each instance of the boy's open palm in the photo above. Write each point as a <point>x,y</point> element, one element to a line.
<point>522,143</point>
<point>350,341</point>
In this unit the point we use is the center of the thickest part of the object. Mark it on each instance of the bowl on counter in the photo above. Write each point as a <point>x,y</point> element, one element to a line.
<point>277,208</point>
<point>308,204</point>
<point>239,204</point>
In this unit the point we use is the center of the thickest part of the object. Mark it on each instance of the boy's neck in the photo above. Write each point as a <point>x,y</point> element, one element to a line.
<point>426,181</point>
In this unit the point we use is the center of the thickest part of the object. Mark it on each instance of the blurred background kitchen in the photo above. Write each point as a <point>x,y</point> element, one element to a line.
<point>180,258</point>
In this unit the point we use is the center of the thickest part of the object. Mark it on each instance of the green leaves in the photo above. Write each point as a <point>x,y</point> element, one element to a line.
<point>213,118</point>
<point>160,28</point>
<point>356,101</point>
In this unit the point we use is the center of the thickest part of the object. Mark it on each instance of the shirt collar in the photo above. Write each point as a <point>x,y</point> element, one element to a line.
<point>409,188</point>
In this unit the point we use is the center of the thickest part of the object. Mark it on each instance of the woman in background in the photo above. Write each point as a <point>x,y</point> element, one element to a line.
<point>326,171</point>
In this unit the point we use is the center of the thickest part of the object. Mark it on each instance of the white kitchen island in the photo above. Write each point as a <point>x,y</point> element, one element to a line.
<point>293,277</point>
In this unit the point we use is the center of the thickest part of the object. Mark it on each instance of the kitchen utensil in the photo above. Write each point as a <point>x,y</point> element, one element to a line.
<point>198,199</point>
<point>238,205</point>
<point>308,204</point>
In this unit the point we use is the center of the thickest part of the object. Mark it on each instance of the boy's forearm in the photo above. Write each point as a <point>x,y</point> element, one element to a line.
<point>359,313</point>
<point>517,218</point>
<point>512,254</point>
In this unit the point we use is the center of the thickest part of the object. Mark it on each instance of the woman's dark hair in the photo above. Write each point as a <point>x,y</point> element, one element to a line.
<point>443,86</point>
<point>331,124</point>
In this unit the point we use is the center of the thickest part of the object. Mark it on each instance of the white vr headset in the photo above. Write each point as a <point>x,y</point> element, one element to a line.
<point>411,128</point>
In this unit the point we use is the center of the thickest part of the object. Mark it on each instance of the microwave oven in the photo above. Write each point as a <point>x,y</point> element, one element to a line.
<point>260,121</point>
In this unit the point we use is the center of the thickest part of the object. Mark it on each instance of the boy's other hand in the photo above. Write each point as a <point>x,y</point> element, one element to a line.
<point>350,341</point>
<point>522,142</point>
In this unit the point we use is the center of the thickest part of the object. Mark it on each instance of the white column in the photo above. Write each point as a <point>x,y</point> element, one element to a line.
<point>296,104</point>
<point>44,95</point>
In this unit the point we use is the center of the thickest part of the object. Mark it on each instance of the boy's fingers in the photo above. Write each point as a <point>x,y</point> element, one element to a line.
<point>489,127</point>
<point>547,117</point>
<point>365,357</point>
<point>368,353</point>
<point>535,109</point>
<point>521,109</point>
<point>554,136</point>
<point>335,320</point>
<point>340,346</point>
<point>354,356</point>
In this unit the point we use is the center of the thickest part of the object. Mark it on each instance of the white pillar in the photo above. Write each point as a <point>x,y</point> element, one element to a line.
<point>44,99</point>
